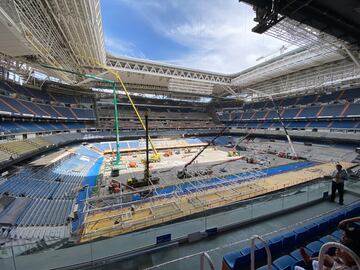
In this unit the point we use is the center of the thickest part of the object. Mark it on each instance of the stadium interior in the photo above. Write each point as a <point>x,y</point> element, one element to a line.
<point>111,162</point>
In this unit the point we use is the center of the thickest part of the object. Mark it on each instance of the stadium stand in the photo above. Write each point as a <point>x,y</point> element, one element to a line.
<point>345,115</point>
<point>165,116</point>
<point>36,201</point>
<point>15,101</point>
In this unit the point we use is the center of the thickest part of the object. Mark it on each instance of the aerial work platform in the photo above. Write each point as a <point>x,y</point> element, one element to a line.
<point>114,220</point>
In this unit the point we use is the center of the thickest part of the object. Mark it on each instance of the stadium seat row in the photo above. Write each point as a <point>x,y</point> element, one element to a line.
<point>283,244</point>
<point>345,124</point>
<point>16,107</point>
<point>347,95</point>
<point>29,92</point>
<point>325,111</point>
<point>18,127</point>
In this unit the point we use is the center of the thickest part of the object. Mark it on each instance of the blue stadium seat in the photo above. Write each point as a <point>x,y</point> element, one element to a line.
<point>289,240</point>
<point>326,98</point>
<point>353,211</point>
<point>260,253</point>
<point>351,94</point>
<point>343,124</point>
<point>297,256</point>
<point>301,235</point>
<point>265,267</point>
<point>309,112</point>
<point>323,225</point>
<point>289,101</point>
<point>337,234</point>
<point>284,263</point>
<point>333,110</point>
<point>290,113</point>
<point>314,248</point>
<point>276,246</point>
<point>231,259</point>
<point>238,259</point>
<point>308,99</point>
<point>353,110</point>
<point>312,230</point>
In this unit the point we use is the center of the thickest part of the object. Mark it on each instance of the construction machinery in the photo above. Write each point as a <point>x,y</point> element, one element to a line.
<point>237,148</point>
<point>185,174</point>
<point>148,179</point>
<point>116,186</point>
<point>136,183</point>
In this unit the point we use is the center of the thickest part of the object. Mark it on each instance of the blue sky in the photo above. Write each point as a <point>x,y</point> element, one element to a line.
<point>211,35</point>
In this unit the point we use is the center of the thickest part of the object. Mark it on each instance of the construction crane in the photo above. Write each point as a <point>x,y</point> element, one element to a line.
<point>184,173</point>
<point>235,151</point>
<point>294,154</point>
<point>155,157</point>
<point>148,178</point>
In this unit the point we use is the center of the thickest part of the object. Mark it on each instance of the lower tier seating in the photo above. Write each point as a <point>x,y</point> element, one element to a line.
<point>284,248</point>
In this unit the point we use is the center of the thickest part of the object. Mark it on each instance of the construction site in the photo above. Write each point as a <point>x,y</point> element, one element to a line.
<point>168,135</point>
<point>192,176</point>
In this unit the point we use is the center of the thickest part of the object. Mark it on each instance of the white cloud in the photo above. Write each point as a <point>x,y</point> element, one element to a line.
<point>118,46</point>
<point>217,32</point>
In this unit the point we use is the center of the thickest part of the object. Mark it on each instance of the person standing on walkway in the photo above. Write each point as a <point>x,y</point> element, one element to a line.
<point>338,178</point>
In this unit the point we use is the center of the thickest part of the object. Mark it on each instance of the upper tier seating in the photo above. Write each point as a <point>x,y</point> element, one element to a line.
<point>284,248</point>
<point>344,109</point>
<point>309,112</point>
<point>290,113</point>
<point>162,118</point>
<point>64,98</point>
<point>326,98</point>
<point>16,107</point>
<point>19,127</point>
<point>306,100</point>
<point>333,110</point>
<point>353,110</point>
<point>43,94</point>
<point>346,95</point>
<point>350,94</point>
<point>15,101</point>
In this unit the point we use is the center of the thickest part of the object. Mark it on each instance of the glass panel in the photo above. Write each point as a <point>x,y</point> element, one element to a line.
<point>6,258</point>
<point>54,258</point>
<point>237,213</point>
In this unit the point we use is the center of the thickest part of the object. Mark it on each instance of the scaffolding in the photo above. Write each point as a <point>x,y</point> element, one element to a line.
<point>115,219</point>
<point>187,197</point>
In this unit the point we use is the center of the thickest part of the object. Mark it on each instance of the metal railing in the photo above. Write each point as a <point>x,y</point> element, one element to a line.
<point>206,256</point>
<point>267,249</point>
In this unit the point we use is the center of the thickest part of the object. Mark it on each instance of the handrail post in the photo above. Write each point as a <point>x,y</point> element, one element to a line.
<point>268,253</point>
<point>206,256</point>
<point>324,248</point>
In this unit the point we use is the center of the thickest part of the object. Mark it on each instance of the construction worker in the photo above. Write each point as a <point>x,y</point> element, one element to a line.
<point>338,178</point>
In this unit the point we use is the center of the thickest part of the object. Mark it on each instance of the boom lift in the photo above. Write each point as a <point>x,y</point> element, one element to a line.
<point>184,173</point>
<point>235,151</point>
